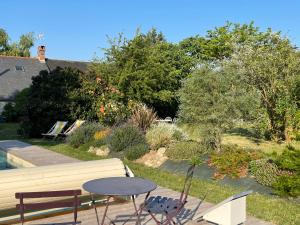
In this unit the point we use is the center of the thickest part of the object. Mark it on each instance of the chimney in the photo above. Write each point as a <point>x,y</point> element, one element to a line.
<point>41,53</point>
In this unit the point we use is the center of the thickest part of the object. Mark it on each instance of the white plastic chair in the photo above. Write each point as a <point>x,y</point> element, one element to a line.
<point>231,211</point>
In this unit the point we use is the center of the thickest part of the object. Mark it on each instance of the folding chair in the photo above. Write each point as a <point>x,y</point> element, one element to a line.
<point>169,207</point>
<point>72,128</point>
<point>56,129</point>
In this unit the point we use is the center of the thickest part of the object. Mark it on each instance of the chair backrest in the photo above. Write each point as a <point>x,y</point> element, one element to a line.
<point>230,211</point>
<point>22,207</point>
<point>187,184</point>
<point>73,127</point>
<point>57,127</point>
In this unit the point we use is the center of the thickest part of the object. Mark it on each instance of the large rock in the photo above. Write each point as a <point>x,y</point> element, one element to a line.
<point>100,151</point>
<point>154,158</point>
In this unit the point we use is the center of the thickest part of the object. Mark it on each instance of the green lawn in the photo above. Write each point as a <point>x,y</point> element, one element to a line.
<point>276,210</point>
<point>244,141</point>
<point>8,131</point>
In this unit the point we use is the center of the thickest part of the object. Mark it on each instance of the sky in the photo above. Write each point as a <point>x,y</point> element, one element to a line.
<point>78,29</point>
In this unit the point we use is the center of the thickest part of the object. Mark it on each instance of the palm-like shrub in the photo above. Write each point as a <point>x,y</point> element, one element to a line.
<point>143,117</point>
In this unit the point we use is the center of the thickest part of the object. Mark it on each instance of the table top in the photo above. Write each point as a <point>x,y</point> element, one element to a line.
<point>119,186</point>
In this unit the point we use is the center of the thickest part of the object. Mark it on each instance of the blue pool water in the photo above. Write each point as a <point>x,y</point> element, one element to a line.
<point>4,165</point>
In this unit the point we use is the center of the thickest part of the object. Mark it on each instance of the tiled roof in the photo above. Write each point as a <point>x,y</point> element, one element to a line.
<point>54,63</point>
<point>16,72</point>
<point>13,80</point>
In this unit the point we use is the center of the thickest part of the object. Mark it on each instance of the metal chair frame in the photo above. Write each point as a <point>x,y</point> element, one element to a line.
<point>180,203</point>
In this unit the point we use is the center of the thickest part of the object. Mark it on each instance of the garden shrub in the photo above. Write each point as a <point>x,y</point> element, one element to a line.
<point>265,171</point>
<point>163,134</point>
<point>143,117</point>
<point>185,150</point>
<point>297,136</point>
<point>288,185</point>
<point>289,160</point>
<point>98,143</point>
<point>84,134</point>
<point>9,113</point>
<point>124,137</point>
<point>179,135</point>
<point>136,151</point>
<point>47,100</point>
<point>233,161</point>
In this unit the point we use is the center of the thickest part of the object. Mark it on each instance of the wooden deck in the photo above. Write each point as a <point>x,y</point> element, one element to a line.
<point>119,213</point>
<point>35,155</point>
<point>122,212</point>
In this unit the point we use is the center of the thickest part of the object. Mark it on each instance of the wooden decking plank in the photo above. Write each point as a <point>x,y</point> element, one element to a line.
<point>122,211</point>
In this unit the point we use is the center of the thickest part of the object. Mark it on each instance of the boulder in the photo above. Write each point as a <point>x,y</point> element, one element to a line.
<point>100,151</point>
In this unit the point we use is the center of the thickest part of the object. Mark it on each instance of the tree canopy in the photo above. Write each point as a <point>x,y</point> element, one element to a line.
<point>272,70</point>
<point>147,69</point>
<point>253,76</point>
<point>19,48</point>
<point>47,100</point>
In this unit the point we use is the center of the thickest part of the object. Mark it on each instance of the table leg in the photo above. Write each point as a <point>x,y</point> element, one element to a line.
<point>105,211</point>
<point>134,204</point>
<point>94,204</point>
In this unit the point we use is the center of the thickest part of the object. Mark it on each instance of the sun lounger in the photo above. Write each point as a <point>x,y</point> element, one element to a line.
<point>56,129</point>
<point>72,128</point>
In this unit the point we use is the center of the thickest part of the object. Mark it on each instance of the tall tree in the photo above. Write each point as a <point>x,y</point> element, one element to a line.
<point>209,98</point>
<point>271,68</point>
<point>19,48</point>
<point>47,100</point>
<point>147,69</point>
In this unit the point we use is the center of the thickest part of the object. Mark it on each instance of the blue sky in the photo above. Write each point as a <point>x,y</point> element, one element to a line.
<point>77,30</point>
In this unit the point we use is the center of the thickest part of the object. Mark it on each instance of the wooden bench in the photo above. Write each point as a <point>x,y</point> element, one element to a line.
<point>22,207</point>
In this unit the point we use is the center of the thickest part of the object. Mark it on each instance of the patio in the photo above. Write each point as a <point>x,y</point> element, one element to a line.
<point>121,213</point>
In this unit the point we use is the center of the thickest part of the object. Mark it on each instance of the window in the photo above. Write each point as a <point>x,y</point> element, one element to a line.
<point>20,68</point>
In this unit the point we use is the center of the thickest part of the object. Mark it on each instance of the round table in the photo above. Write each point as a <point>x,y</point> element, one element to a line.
<point>118,186</point>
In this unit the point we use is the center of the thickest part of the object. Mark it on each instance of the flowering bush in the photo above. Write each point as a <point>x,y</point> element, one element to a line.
<point>102,134</point>
<point>84,134</point>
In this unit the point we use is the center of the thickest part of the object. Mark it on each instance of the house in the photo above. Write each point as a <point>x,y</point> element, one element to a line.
<point>16,72</point>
